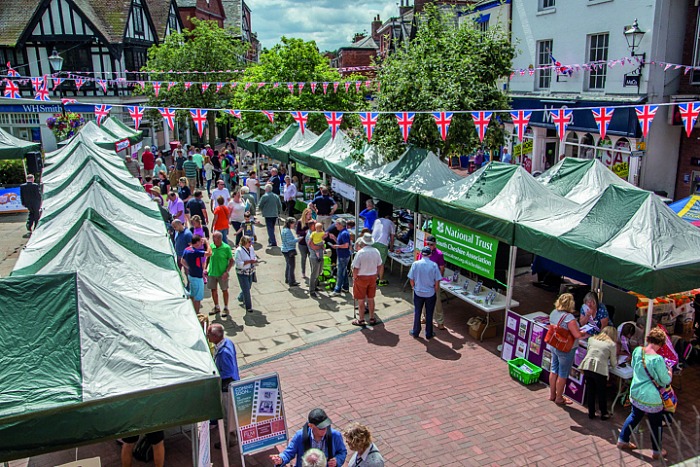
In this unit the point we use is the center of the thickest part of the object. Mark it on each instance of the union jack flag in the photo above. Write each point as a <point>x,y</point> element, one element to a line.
<point>66,101</point>
<point>481,122</point>
<point>290,86</point>
<point>313,87</point>
<point>689,114</point>
<point>270,115</point>
<point>199,116</point>
<point>102,83</point>
<point>347,86</point>
<point>405,120</point>
<point>156,88</point>
<point>602,117</point>
<point>57,82</point>
<point>235,113</point>
<point>645,115</point>
<point>561,119</point>
<point>325,88</point>
<point>301,118</point>
<point>136,114</point>
<point>205,86</point>
<point>79,83</point>
<point>188,85</point>
<point>334,120</point>
<point>369,121</point>
<point>168,117</point>
<point>42,94</point>
<point>443,120</point>
<point>102,112</point>
<point>171,84</point>
<point>247,86</point>
<point>37,83</point>
<point>335,87</point>
<point>12,72</point>
<point>301,86</point>
<point>12,90</point>
<point>520,120</point>
<point>219,86</point>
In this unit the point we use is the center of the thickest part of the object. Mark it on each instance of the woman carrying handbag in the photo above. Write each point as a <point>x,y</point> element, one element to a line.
<point>602,349</point>
<point>649,378</point>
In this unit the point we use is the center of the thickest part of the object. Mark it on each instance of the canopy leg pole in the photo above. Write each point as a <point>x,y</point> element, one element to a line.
<point>194,441</point>
<point>511,276</point>
<point>357,214</point>
<point>650,312</point>
<point>24,166</point>
<point>324,179</point>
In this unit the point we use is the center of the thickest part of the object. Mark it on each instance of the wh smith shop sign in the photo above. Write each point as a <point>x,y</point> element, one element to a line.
<point>45,109</point>
<point>623,123</point>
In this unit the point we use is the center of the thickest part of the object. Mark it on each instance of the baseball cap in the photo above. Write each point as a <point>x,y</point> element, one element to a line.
<point>431,239</point>
<point>426,251</point>
<point>319,418</point>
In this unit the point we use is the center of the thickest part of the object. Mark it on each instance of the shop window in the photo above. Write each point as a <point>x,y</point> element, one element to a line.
<point>597,52</point>
<point>587,151</point>
<point>137,18</point>
<point>544,76</point>
<point>571,147</point>
<point>546,4</point>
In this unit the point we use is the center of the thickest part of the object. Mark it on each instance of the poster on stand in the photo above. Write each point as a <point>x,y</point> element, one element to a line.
<point>10,200</point>
<point>515,340</point>
<point>259,411</point>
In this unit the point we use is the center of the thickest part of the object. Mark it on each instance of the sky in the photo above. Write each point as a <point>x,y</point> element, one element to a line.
<point>331,23</point>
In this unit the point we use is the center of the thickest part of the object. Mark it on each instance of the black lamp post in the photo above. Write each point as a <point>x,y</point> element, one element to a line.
<point>633,36</point>
<point>56,62</point>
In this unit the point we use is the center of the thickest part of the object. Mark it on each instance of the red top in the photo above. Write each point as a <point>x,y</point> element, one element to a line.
<point>149,160</point>
<point>222,214</point>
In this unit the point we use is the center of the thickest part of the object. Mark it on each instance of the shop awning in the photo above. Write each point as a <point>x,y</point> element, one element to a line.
<point>400,182</point>
<point>580,180</point>
<point>688,209</point>
<point>15,148</point>
<point>493,199</point>
<point>626,237</point>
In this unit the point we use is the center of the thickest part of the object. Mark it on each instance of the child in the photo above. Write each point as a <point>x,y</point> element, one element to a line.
<point>247,227</point>
<point>148,184</point>
<point>202,231</point>
<point>317,239</point>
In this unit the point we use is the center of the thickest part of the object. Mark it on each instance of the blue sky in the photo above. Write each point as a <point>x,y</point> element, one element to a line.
<point>331,23</point>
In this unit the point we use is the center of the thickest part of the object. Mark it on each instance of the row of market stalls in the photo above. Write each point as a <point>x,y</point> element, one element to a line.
<point>578,213</point>
<point>99,339</point>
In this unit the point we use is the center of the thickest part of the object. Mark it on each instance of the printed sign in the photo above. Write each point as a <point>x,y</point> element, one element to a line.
<point>343,189</point>
<point>10,200</point>
<point>204,452</point>
<point>121,145</point>
<point>259,411</point>
<point>465,248</point>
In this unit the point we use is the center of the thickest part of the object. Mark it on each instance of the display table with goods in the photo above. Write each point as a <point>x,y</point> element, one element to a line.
<point>523,337</point>
<point>477,295</point>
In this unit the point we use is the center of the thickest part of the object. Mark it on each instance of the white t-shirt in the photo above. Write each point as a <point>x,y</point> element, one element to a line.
<point>367,260</point>
<point>237,211</point>
<point>290,192</point>
<point>253,185</point>
<point>382,230</point>
<point>220,192</point>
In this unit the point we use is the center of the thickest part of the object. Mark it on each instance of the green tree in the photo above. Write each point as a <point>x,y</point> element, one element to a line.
<point>292,61</point>
<point>446,67</point>
<point>204,48</point>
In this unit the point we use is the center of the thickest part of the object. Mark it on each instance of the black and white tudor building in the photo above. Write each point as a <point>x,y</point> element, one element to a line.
<point>102,38</point>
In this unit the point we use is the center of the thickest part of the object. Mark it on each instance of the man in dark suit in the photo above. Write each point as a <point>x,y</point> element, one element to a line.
<point>30,194</point>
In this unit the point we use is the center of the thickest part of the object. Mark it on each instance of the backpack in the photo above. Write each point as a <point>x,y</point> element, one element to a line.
<point>559,337</point>
<point>306,441</point>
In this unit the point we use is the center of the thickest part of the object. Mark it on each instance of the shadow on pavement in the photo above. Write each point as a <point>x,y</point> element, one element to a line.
<point>255,319</point>
<point>379,335</point>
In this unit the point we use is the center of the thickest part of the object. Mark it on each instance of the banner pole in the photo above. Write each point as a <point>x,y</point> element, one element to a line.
<point>650,312</point>
<point>511,276</point>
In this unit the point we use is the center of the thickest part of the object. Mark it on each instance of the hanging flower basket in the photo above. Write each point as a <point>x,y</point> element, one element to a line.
<point>65,126</point>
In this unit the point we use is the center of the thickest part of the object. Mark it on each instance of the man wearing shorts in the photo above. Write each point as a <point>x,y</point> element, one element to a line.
<point>220,264</point>
<point>193,261</point>
<point>366,266</point>
<point>383,233</point>
<point>155,439</point>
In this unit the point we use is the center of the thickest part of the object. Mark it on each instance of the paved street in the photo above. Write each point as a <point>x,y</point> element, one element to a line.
<point>449,401</point>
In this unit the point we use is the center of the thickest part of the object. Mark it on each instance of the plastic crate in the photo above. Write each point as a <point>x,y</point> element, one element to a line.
<point>514,366</point>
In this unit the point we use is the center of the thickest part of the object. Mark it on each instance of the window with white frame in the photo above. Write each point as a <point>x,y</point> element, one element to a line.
<point>545,4</point>
<point>695,75</point>
<point>543,77</point>
<point>597,52</point>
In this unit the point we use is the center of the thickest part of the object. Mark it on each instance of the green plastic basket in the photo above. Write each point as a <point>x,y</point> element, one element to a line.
<point>514,366</point>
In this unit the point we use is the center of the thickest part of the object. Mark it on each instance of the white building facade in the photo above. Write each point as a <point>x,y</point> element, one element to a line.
<point>584,31</point>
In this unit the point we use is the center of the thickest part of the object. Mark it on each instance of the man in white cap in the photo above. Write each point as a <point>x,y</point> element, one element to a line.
<point>366,267</point>
<point>316,434</point>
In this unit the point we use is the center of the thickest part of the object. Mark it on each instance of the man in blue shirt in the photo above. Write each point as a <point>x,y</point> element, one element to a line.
<point>324,206</point>
<point>425,280</point>
<point>318,434</point>
<point>342,248</point>
<point>193,260</point>
<point>369,215</point>
<point>275,181</point>
<point>224,356</point>
<point>182,238</point>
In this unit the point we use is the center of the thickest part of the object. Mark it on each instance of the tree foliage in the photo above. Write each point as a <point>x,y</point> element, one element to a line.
<point>204,48</point>
<point>291,61</point>
<point>446,67</point>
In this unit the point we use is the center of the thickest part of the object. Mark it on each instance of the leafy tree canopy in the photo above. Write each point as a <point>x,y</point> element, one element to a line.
<point>291,61</point>
<point>446,67</point>
<point>204,48</point>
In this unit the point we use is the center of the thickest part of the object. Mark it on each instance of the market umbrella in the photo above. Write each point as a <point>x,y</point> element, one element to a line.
<point>688,209</point>
<point>278,147</point>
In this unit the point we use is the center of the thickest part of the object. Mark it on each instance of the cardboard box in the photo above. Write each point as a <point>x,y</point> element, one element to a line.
<point>476,329</point>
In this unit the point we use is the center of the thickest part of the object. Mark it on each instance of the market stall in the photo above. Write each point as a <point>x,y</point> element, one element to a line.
<point>688,209</point>
<point>12,147</point>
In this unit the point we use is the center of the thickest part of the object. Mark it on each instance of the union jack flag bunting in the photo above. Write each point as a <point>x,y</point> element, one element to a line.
<point>334,120</point>
<point>405,120</point>
<point>290,86</point>
<point>205,86</point>
<point>199,116</point>
<point>602,117</point>
<point>561,119</point>
<point>275,85</point>
<point>235,113</point>
<point>234,84</point>
<point>301,118</point>
<point>369,121</point>
<point>368,85</point>
<point>689,114</point>
<point>645,115</point>
<point>57,82</point>
<point>79,83</point>
<point>301,86</point>
<point>171,84</point>
<point>156,88</point>
<point>443,120</point>
<point>261,85</point>
<point>247,86</point>
<point>520,120</point>
<point>168,117</point>
<point>102,83</point>
<point>102,112</point>
<point>136,114</point>
<point>358,85</point>
<point>313,87</point>
<point>42,94</point>
<point>347,86</point>
<point>335,87</point>
<point>219,86</point>
<point>11,89</point>
<point>270,115</point>
<point>66,101</point>
<point>188,85</point>
<point>37,83</point>
<point>481,122</point>
<point>12,72</point>
<point>325,88</point>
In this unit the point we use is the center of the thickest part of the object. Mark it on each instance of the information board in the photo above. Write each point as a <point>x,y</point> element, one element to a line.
<point>10,200</point>
<point>515,339</point>
<point>465,248</point>
<point>259,411</point>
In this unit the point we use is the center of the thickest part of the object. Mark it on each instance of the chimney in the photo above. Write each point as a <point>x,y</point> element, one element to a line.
<point>376,24</point>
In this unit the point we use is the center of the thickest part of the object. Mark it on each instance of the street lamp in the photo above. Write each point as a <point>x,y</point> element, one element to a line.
<point>56,61</point>
<point>633,36</point>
